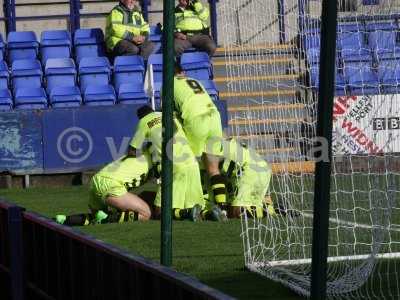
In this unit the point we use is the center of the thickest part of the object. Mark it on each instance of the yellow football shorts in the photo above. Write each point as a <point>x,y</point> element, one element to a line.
<point>252,186</point>
<point>204,133</point>
<point>103,187</point>
<point>187,190</point>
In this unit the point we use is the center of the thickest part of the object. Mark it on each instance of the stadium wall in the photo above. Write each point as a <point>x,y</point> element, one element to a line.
<point>67,140</point>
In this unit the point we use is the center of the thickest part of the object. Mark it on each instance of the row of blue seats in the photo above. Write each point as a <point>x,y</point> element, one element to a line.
<point>313,26</point>
<point>92,70</point>
<point>94,74</point>
<point>94,95</point>
<point>357,46</point>
<point>58,44</point>
<point>361,77</point>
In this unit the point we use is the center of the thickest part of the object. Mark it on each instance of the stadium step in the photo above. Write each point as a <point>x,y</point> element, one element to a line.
<point>266,107</point>
<point>293,167</point>
<point>221,61</point>
<point>258,97</point>
<point>264,142</point>
<point>277,150</point>
<point>273,66</point>
<point>263,82</point>
<point>264,48</point>
<point>257,141</point>
<point>265,126</point>
<point>276,78</point>
<point>271,112</point>
<point>281,154</point>
<point>277,93</point>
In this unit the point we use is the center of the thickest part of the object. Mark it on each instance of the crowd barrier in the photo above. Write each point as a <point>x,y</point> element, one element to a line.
<point>40,259</point>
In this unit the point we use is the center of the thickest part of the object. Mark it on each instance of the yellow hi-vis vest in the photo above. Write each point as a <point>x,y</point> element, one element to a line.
<point>123,24</point>
<point>191,20</point>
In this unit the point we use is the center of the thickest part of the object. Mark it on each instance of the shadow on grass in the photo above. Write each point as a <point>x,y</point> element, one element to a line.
<point>261,287</point>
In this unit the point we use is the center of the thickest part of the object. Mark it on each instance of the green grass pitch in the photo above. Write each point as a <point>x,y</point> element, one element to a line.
<point>209,251</point>
<point>212,252</point>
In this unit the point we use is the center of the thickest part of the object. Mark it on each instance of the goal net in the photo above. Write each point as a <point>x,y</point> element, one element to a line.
<point>272,64</point>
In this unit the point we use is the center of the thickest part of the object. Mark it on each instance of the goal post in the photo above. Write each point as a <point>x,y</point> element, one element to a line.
<point>323,166</point>
<point>272,91</point>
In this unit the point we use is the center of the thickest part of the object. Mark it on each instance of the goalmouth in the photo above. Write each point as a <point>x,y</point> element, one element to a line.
<point>272,54</point>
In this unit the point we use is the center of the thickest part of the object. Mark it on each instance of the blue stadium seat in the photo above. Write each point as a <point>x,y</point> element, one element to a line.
<point>30,98</point>
<point>313,55</point>
<point>362,78</point>
<point>314,76</point>
<point>94,71</point>
<point>350,27</point>
<point>312,41</point>
<point>384,45</point>
<point>155,33</point>
<point>156,37</point>
<point>157,47</point>
<point>197,65</point>
<point>22,45</point>
<point>96,95</point>
<point>156,61</point>
<point>382,41</point>
<point>379,26</point>
<point>211,89</point>
<point>26,73</point>
<point>389,76</point>
<point>55,44</point>
<point>132,93</point>
<point>89,43</point>
<point>340,83</point>
<point>4,75</point>
<point>354,47</point>
<point>6,102</point>
<point>128,69</point>
<point>2,47</point>
<point>65,96</point>
<point>60,72</point>
<point>370,2</point>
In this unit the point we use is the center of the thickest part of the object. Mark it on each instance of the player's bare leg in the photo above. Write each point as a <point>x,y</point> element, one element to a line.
<point>130,202</point>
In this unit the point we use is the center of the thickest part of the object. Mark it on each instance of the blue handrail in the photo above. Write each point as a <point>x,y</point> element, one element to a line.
<point>10,15</point>
<point>213,19</point>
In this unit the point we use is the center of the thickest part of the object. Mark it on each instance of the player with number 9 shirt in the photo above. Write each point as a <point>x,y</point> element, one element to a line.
<point>202,125</point>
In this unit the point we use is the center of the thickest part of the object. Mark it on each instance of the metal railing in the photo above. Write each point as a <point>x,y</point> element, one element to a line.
<point>40,259</point>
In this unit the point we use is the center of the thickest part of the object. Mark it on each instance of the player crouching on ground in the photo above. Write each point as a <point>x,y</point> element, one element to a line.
<point>109,199</point>
<point>248,177</point>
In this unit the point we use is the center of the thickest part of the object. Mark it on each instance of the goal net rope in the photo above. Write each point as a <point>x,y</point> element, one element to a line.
<point>272,66</point>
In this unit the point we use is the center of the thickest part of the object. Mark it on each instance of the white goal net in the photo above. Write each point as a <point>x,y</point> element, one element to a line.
<point>272,62</point>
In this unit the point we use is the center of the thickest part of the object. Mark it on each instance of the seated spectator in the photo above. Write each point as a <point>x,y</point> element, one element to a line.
<point>191,28</point>
<point>127,32</point>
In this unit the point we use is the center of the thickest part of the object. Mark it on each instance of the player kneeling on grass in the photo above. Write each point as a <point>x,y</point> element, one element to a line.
<point>109,199</point>
<point>188,201</point>
<point>248,178</point>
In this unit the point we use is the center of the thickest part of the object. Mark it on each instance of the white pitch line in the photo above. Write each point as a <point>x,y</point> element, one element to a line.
<point>306,261</point>
<point>352,224</point>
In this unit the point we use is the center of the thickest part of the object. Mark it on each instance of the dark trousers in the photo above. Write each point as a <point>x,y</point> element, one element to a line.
<point>201,42</point>
<point>125,47</point>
